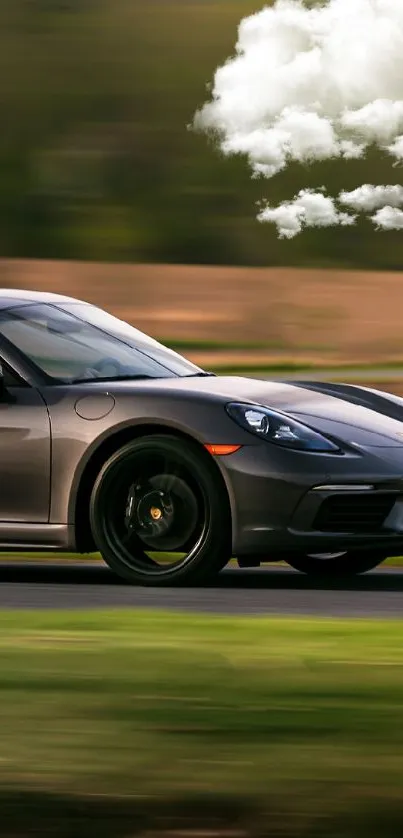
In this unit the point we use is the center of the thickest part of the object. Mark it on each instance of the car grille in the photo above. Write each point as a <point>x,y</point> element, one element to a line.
<point>354,513</point>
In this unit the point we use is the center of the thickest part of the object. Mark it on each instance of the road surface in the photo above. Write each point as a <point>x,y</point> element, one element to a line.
<point>268,590</point>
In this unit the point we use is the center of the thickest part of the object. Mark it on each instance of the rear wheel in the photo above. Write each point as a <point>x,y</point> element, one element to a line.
<point>336,564</point>
<point>159,515</point>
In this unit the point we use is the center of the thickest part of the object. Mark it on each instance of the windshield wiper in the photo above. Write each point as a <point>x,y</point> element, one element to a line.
<point>112,378</point>
<point>134,377</point>
<point>200,375</point>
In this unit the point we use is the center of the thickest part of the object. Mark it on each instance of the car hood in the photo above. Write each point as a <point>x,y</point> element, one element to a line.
<point>350,413</point>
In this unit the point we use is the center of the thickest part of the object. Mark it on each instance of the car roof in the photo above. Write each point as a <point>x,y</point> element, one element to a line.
<point>11,296</point>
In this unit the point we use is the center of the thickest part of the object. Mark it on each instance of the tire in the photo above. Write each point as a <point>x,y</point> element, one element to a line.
<point>159,495</point>
<point>336,565</point>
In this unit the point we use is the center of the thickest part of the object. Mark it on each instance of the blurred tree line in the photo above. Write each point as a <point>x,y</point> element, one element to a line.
<point>96,161</point>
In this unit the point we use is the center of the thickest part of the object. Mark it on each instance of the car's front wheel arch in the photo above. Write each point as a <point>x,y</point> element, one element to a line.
<point>158,515</point>
<point>81,493</point>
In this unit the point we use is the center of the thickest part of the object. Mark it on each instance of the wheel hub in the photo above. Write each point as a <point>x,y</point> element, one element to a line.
<point>162,512</point>
<point>154,512</point>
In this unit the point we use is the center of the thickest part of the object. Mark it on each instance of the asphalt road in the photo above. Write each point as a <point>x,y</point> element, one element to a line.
<point>265,591</point>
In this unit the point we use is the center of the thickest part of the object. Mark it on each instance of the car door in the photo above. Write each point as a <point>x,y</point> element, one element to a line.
<point>25,452</point>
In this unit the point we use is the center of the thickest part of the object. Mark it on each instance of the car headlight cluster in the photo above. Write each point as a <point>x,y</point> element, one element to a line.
<point>279,428</point>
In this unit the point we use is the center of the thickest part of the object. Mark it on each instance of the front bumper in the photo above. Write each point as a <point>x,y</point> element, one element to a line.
<point>286,501</point>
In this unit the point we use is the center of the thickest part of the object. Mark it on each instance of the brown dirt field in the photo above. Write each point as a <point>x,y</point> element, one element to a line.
<point>311,315</point>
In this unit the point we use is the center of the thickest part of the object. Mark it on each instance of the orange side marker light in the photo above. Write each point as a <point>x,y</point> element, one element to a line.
<point>222,450</point>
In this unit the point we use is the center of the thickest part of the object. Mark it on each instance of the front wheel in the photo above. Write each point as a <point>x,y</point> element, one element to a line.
<point>159,514</point>
<point>334,565</point>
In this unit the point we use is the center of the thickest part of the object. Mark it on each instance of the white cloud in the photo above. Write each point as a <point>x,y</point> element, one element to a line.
<point>367,198</point>
<point>308,84</point>
<point>307,209</point>
<point>388,218</point>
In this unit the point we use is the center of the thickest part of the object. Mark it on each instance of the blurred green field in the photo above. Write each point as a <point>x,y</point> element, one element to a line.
<point>302,718</point>
<point>98,163</point>
<point>268,366</point>
<point>330,371</point>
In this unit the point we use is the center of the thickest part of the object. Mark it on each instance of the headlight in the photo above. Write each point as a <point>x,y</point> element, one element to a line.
<point>279,428</point>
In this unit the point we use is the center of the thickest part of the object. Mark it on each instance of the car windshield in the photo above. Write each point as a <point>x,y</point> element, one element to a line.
<point>80,342</point>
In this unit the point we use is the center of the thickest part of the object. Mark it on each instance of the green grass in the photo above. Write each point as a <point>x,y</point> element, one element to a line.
<point>291,366</point>
<point>189,344</point>
<point>48,556</point>
<point>281,366</point>
<point>302,717</point>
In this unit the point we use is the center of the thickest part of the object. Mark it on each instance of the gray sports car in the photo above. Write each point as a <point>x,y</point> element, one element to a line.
<point>111,442</point>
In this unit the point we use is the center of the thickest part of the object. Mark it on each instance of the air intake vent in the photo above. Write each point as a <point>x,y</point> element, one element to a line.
<point>364,513</point>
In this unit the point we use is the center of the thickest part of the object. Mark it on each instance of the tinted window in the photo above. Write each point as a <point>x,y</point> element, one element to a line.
<point>87,344</point>
<point>133,337</point>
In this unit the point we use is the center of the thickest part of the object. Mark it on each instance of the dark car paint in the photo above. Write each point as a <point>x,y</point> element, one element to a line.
<point>25,450</point>
<point>53,436</point>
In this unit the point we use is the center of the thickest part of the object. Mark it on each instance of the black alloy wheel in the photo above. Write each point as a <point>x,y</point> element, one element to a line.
<point>159,513</point>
